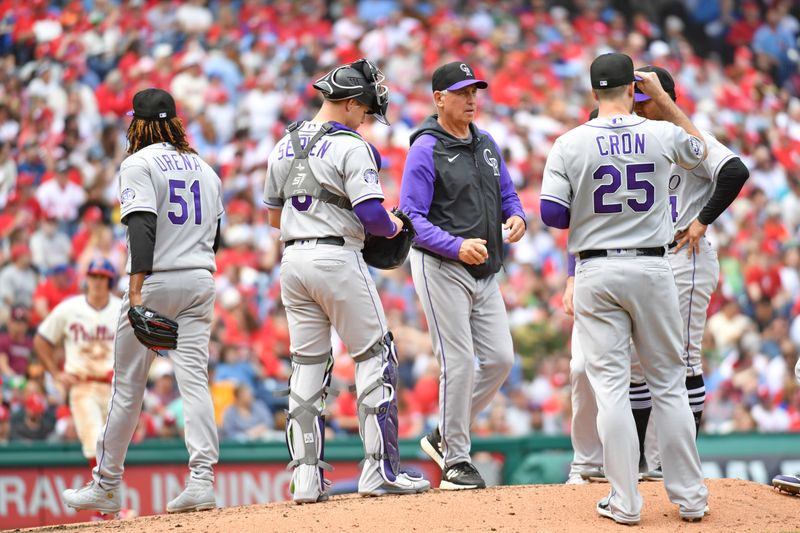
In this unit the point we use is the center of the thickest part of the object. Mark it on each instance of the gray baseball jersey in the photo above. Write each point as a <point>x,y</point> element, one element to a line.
<point>696,279</point>
<point>689,190</point>
<point>617,168</point>
<point>344,164</point>
<point>185,193</point>
<point>613,175</point>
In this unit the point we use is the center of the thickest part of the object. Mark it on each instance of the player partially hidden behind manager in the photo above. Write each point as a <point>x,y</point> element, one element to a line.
<point>458,193</point>
<point>323,193</point>
<point>171,203</point>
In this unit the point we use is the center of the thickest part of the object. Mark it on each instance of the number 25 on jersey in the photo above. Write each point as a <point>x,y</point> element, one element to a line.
<point>634,181</point>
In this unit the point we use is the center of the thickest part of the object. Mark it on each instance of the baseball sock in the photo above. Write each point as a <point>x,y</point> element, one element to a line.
<point>92,462</point>
<point>697,399</point>
<point>641,405</point>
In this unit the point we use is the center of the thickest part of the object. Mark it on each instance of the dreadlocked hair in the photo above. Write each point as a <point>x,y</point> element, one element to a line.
<point>143,133</point>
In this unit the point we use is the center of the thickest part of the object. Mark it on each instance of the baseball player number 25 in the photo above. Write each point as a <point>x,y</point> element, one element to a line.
<point>632,183</point>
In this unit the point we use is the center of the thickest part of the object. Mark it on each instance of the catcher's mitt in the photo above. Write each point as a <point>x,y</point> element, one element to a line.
<point>153,329</point>
<point>387,254</point>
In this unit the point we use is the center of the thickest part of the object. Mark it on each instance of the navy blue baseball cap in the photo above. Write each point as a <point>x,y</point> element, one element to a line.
<point>454,76</point>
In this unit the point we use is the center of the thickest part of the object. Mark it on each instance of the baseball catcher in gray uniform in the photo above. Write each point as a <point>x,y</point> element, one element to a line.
<point>323,193</point>
<point>171,203</point>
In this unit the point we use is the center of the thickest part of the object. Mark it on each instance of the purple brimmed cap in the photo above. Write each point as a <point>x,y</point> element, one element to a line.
<point>454,76</point>
<point>153,104</point>
<point>612,70</point>
<point>666,82</point>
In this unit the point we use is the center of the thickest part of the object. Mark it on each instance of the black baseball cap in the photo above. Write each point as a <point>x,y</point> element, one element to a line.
<point>453,76</point>
<point>666,82</point>
<point>612,70</point>
<point>153,104</point>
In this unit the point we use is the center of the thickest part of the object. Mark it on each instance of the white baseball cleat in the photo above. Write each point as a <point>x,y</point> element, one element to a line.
<point>597,475</point>
<point>197,496</point>
<point>91,497</point>
<point>576,479</point>
<point>695,517</point>
<point>604,509</point>
<point>404,483</point>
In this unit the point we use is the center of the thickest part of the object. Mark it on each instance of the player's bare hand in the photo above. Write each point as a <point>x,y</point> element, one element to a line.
<point>66,380</point>
<point>398,224</point>
<point>566,300</point>
<point>473,251</point>
<point>690,238</point>
<point>650,84</point>
<point>516,229</point>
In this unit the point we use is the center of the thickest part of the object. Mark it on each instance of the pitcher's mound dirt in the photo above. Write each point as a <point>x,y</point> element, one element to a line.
<point>735,506</point>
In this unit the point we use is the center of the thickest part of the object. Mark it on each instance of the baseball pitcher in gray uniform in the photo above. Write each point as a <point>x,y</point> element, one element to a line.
<point>608,182</point>
<point>697,198</point>
<point>323,193</point>
<point>171,202</point>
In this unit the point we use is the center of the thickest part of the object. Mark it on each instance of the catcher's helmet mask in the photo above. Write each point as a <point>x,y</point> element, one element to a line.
<point>361,80</point>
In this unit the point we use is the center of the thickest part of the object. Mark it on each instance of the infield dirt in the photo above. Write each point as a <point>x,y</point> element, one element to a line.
<point>735,506</point>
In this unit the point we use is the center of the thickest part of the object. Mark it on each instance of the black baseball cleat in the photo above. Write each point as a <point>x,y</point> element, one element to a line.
<point>461,476</point>
<point>787,483</point>
<point>431,444</point>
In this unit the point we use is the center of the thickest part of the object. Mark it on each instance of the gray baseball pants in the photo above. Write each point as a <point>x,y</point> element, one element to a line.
<point>471,339</point>
<point>617,298</point>
<point>188,296</point>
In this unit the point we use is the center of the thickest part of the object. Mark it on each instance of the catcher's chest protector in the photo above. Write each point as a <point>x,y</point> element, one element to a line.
<point>301,180</point>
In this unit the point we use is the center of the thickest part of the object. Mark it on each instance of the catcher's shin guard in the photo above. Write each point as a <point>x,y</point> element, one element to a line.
<point>309,386</point>
<point>376,384</point>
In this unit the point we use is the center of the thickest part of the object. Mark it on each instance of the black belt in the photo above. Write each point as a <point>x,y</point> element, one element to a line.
<point>432,254</point>
<point>652,252</point>
<point>672,245</point>
<point>337,241</point>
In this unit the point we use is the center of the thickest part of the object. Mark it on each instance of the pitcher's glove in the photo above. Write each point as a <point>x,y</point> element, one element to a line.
<point>153,329</point>
<point>386,254</point>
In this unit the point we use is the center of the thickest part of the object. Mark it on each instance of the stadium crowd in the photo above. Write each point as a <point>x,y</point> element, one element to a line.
<point>241,71</point>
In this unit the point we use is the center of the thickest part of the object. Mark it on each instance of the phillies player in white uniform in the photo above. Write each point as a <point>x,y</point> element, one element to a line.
<point>323,193</point>
<point>85,325</point>
<point>607,181</point>
<point>171,202</point>
<point>697,198</point>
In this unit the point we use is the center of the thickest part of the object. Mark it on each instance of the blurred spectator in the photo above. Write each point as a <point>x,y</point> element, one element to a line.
<point>33,421</point>
<point>772,42</point>
<point>8,172</point>
<point>768,416</point>
<point>61,197</point>
<point>49,246</point>
<point>247,419</point>
<point>5,424</point>
<point>16,344</point>
<point>235,365</point>
<point>59,283</point>
<point>17,280</point>
<point>728,325</point>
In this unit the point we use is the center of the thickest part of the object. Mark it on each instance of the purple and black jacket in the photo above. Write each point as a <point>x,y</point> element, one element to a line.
<point>454,190</point>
